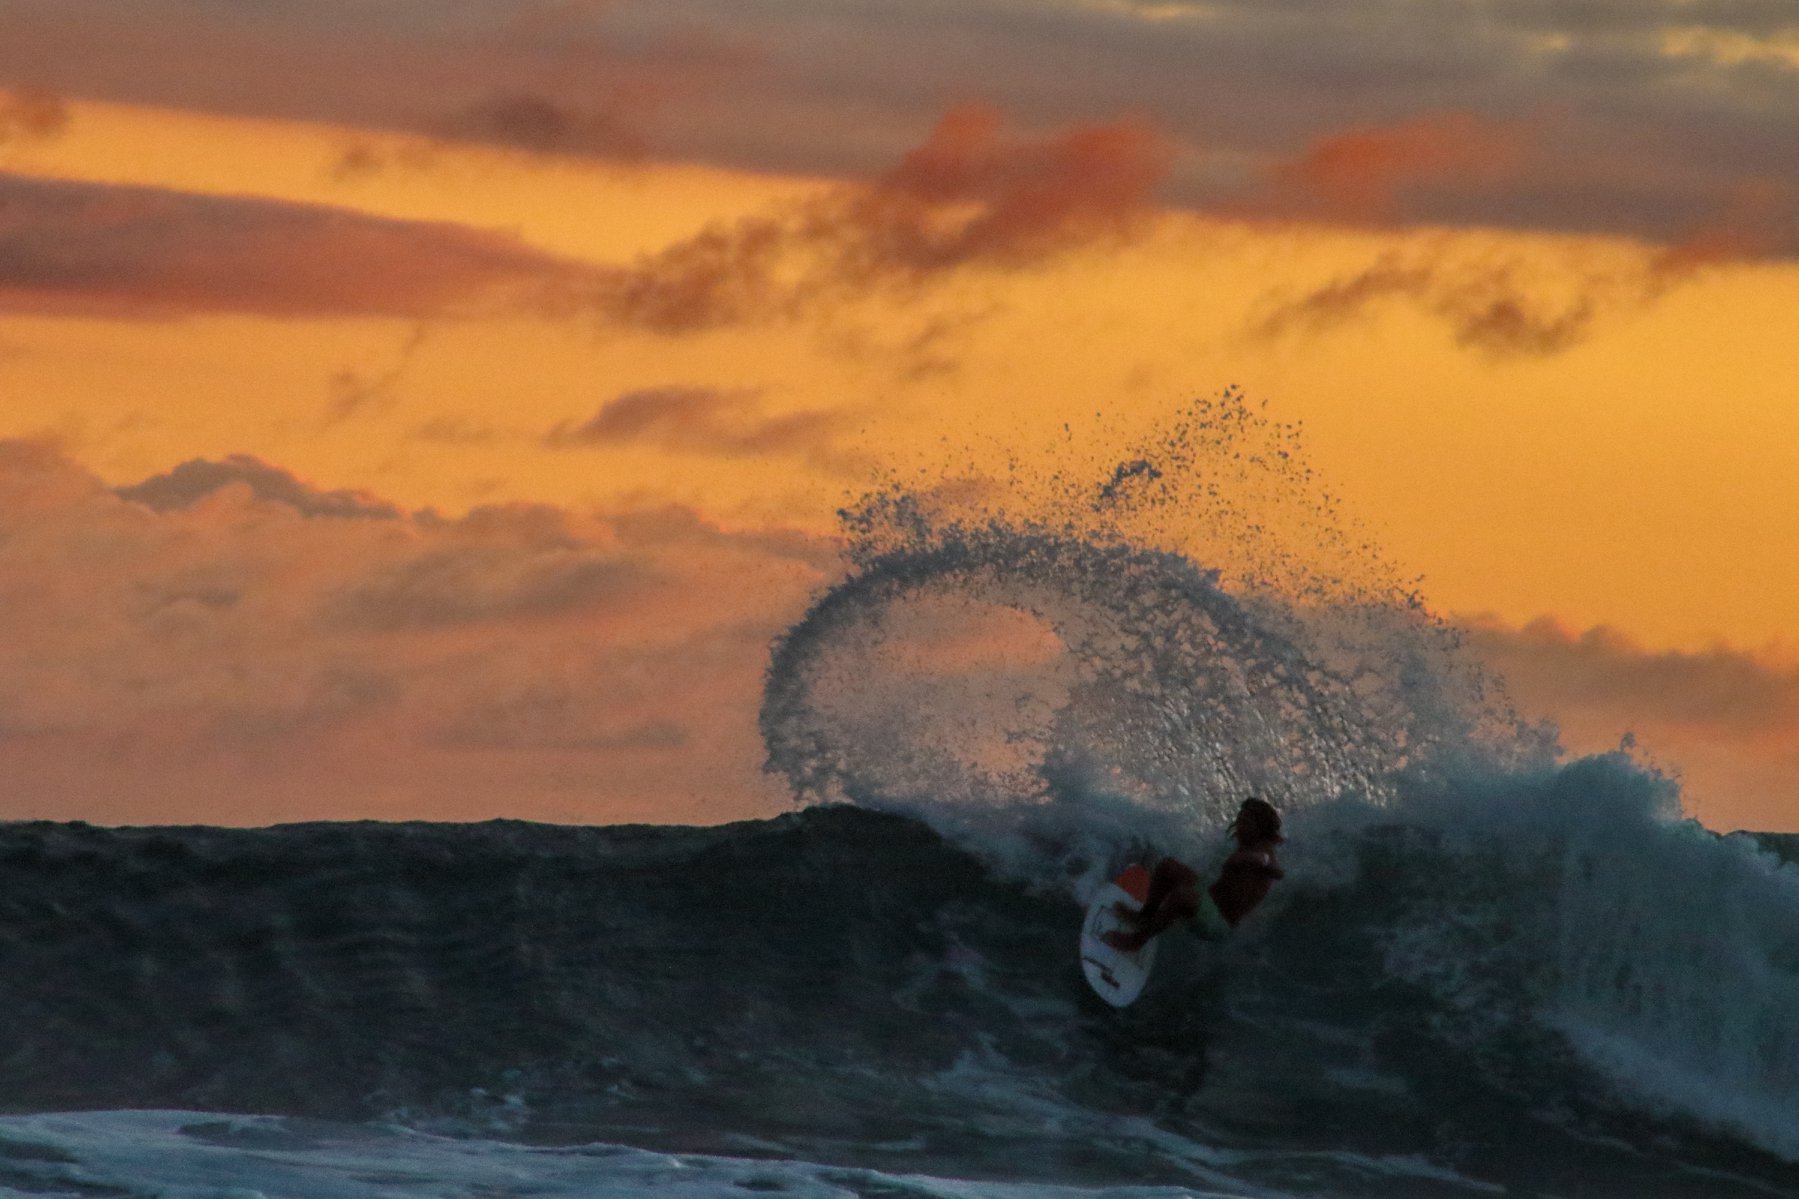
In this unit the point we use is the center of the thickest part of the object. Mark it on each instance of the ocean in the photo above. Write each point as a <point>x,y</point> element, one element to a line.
<point>1490,970</point>
<point>839,1002</point>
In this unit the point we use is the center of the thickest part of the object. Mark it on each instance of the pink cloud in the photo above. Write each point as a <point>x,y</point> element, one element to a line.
<point>970,197</point>
<point>231,643</point>
<point>1361,174</point>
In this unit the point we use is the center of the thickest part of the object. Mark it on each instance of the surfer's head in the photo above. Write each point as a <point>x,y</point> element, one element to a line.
<point>1257,820</point>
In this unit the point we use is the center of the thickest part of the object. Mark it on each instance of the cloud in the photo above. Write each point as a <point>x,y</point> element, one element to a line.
<point>537,78</point>
<point>30,114</point>
<point>1535,303</point>
<point>1756,220</point>
<point>1489,305</point>
<point>357,391</point>
<point>1726,718</point>
<point>970,197</point>
<point>250,647</point>
<point>536,123</point>
<point>475,583</point>
<point>1567,118</point>
<point>1362,174</point>
<point>1663,107</point>
<point>1028,199</point>
<point>195,480</point>
<point>1718,691</point>
<point>1496,304</point>
<point>147,252</point>
<point>526,122</point>
<point>700,420</point>
<point>456,430</point>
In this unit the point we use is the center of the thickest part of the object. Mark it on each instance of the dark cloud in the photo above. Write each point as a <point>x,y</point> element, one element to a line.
<point>195,480</point>
<point>533,77</point>
<point>150,252</point>
<point>1624,137</point>
<point>541,125</point>
<point>526,122</point>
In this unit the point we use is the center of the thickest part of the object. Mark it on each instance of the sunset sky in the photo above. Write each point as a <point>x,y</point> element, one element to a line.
<point>433,408</point>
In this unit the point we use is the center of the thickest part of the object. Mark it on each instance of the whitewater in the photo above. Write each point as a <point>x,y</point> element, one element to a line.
<point>1491,970</point>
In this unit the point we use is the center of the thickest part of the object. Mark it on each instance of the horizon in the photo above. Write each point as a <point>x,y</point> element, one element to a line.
<point>422,411</point>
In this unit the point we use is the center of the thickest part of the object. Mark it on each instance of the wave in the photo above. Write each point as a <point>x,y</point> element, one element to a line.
<point>1456,991</point>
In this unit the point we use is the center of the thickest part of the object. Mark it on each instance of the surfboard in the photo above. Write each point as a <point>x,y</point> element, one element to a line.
<point>1115,976</point>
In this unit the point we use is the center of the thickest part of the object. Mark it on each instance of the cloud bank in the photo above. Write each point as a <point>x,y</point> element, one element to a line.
<point>1727,718</point>
<point>228,643</point>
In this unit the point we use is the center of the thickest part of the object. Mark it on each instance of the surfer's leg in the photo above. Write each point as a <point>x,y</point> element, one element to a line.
<point>1173,896</point>
<point>1172,877</point>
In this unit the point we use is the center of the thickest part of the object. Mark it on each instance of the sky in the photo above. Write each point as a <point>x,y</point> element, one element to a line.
<point>434,409</point>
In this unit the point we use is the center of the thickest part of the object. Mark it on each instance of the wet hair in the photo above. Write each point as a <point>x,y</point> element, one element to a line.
<point>1257,820</point>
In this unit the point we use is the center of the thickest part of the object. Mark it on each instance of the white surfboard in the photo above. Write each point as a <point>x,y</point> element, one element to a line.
<point>1116,976</point>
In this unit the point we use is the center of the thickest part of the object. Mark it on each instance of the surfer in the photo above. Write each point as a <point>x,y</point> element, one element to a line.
<point>1174,892</point>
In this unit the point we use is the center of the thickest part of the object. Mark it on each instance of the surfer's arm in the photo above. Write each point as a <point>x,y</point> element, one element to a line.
<point>1256,862</point>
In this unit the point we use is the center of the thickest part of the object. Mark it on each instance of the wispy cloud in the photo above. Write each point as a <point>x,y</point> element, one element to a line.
<point>1524,302</point>
<point>149,252</point>
<point>1489,305</point>
<point>719,423</point>
<point>970,197</point>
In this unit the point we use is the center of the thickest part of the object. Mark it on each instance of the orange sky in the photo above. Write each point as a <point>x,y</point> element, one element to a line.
<point>667,366</point>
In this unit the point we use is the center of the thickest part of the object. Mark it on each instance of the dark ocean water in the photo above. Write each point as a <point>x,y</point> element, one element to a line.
<point>1408,1016</point>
